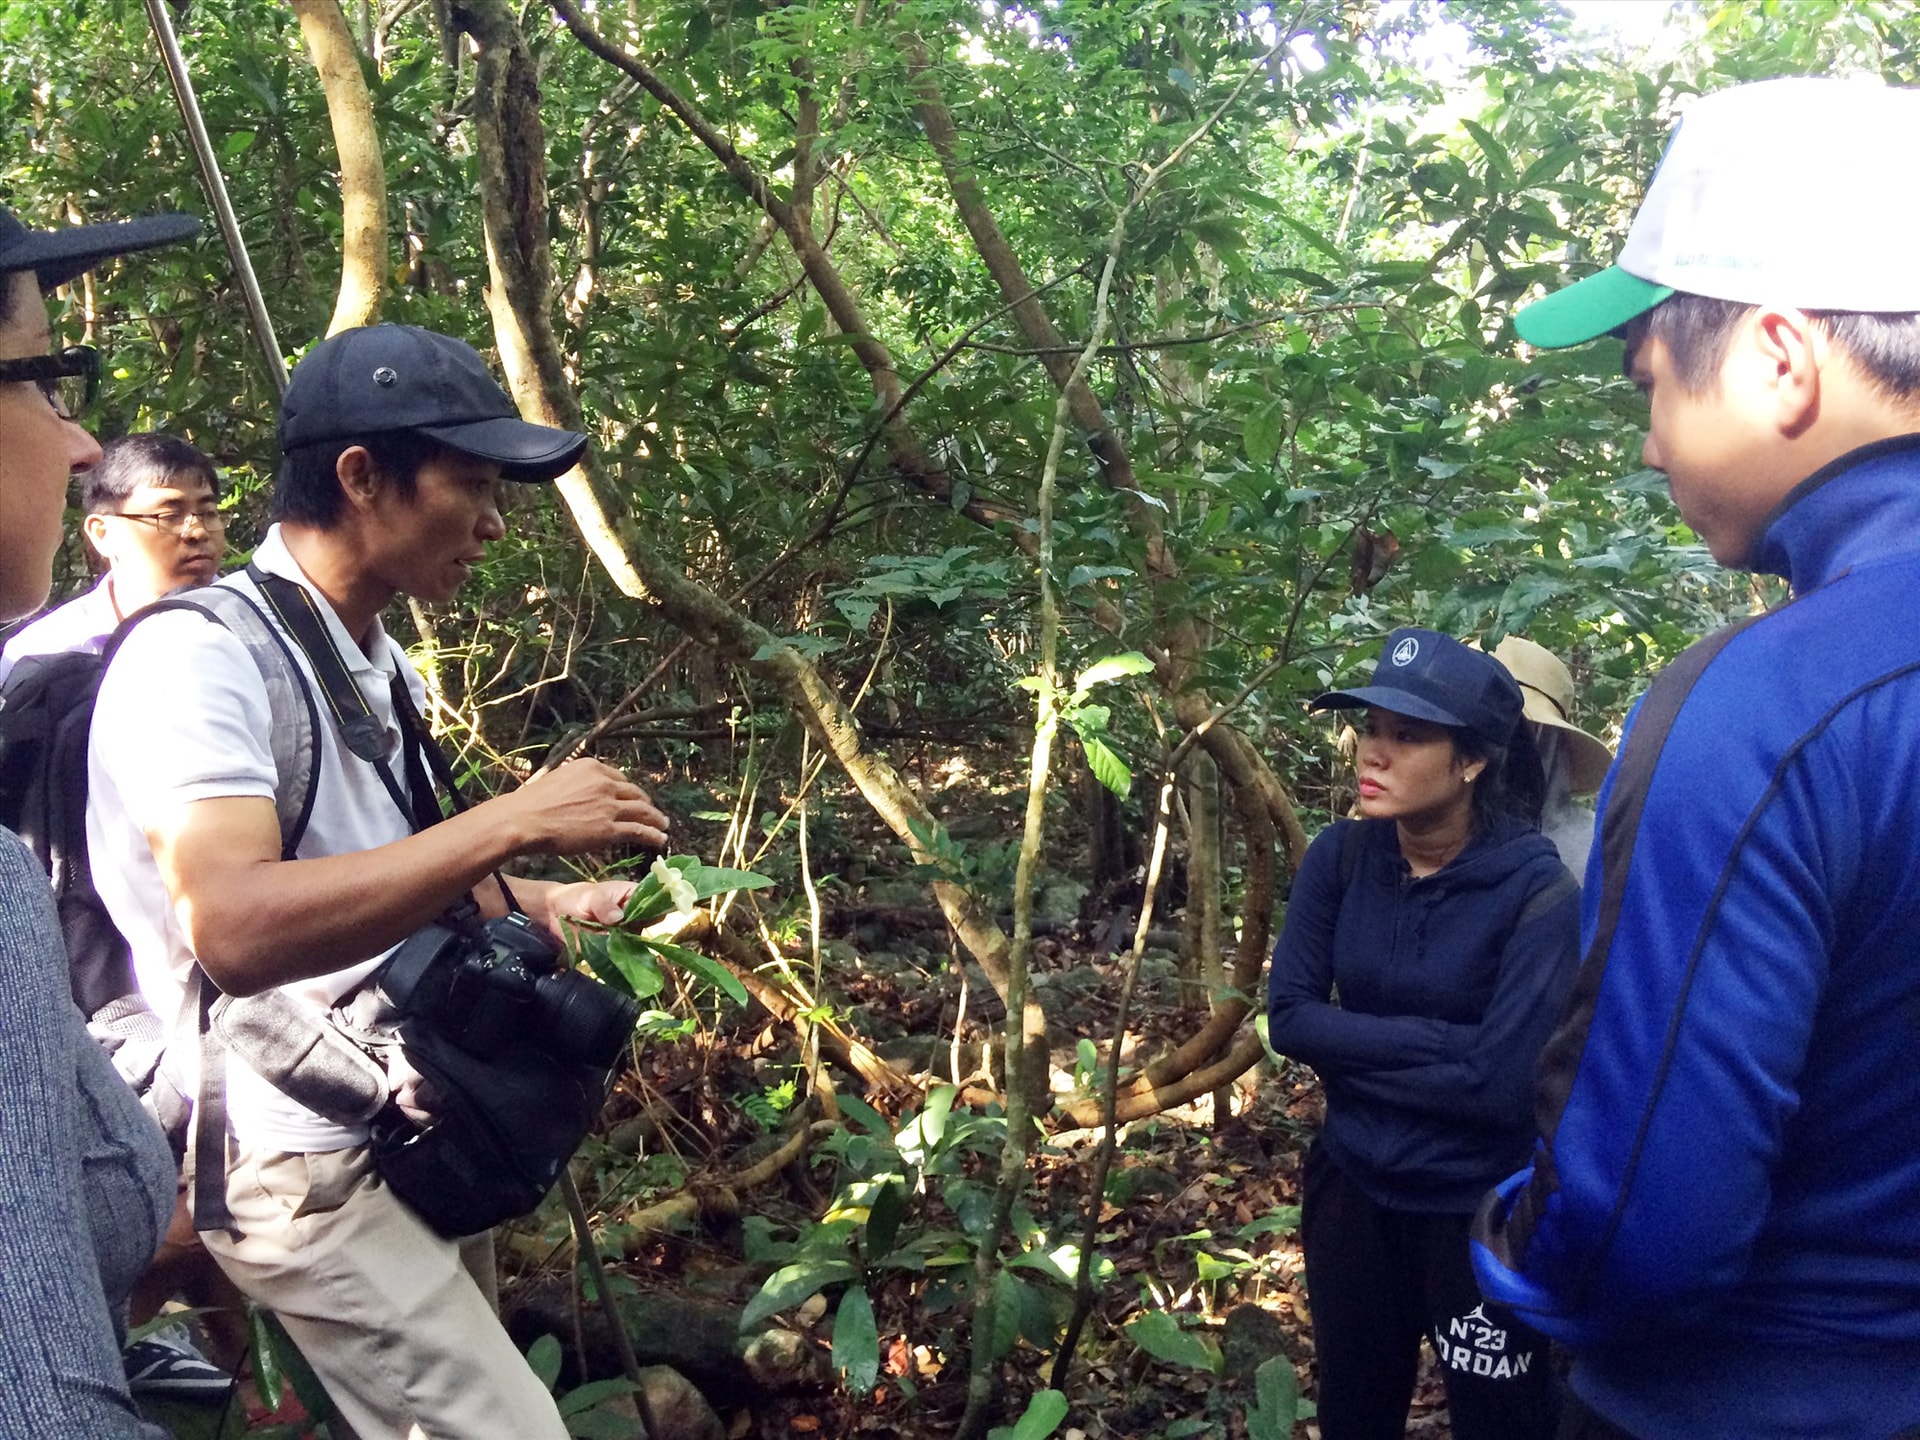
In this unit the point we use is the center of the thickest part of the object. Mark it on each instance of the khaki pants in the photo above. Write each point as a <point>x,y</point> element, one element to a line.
<point>398,1323</point>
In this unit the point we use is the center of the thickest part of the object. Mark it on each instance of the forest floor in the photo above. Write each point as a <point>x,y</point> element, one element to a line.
<point>1198,1221</point>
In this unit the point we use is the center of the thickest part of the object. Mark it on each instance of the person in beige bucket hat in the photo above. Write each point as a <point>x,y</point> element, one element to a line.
<point>1572,762</point>
<point>1546,692</point>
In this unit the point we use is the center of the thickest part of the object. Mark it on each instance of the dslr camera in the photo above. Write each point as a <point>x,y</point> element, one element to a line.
<point>502,984</point>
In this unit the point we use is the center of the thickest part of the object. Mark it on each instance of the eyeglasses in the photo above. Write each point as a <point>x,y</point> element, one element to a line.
<point>176,521</point>
<point>69,380</point>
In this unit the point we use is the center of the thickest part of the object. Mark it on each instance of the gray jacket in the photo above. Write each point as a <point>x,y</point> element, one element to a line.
<point>86,1188</point>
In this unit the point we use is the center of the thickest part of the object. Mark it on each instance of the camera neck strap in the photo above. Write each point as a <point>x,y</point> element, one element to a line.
<point>360,730</point>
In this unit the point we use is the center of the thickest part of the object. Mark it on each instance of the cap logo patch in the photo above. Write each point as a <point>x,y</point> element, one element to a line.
<point>1404,652</point>
<point>384,375</point>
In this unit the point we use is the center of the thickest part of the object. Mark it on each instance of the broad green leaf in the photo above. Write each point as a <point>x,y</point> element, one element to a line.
<point>1113,667</point>
<point>889,1208</point>
<point>634,959</point>
<point>868,1118</point>
<point>1108,768</point>
<point>599,1424</point>
<point>1261,435</point>
<point>1009,1304</point>
<point>1160,1335</point>
<point>921,1136</point>
<point>708,969</point>
<point>1276,1404</point>
<point>594,1392</point>
<point>543,1358</point>
<point>856,1341</point>
<point>791,1284</point>
<point>1040,1419</point>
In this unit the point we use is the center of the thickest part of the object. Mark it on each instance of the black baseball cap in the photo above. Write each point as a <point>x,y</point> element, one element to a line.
<point>382,378</point>
<point>57,256</point>
<point>1434,677</point>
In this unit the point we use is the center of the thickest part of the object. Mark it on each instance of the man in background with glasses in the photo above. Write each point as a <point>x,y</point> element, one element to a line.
<point>153,516</point>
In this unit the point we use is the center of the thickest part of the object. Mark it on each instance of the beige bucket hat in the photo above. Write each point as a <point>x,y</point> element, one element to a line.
<point>1546,692</point>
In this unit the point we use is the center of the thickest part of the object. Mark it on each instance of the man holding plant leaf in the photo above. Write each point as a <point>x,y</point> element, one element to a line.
<point>395,444</point>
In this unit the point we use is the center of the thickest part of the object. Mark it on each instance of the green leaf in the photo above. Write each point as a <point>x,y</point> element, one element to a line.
<point>1261,435</point>
<point>1318,241</point>
<point>856,1341</point>
<point>921,1136</point>
<point>791,1284</point>
<point>1009,1304</point>
<point>634,959</point>
<point>1087,574</point>
<point>543,1358</point>
<point>266,1358</point>
<point>884,1215</point>
<point>1108,768</point>
<point>1113,667</point>
<point>1276,1400</point>
<point>1283,1221</point>
<point>1041,1418</point>
<point>1496,153</point>
<point>594,1392</point>
<point>1160,1335</point>
<point>708,969</point>
<point>275,1352</point>
<point>600,1425</point>
<point>870,1119</point>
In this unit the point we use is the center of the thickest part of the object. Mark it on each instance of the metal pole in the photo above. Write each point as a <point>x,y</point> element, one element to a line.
<point>217,193</point>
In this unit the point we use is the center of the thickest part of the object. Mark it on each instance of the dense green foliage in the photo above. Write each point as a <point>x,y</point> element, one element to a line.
<point>1310,367</point>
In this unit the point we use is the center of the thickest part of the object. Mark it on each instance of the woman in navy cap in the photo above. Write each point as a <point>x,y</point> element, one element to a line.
<point>86,1178</point>
<point>1427,949</point>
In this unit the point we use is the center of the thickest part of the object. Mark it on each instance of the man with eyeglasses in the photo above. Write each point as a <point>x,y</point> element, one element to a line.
<point>153,516</point>
<point>86,1178</point>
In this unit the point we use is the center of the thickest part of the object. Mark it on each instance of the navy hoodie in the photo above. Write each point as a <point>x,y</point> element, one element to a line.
<point>1447,987</point>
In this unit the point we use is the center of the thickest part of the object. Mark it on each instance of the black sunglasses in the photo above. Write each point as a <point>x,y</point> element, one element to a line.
<point>70,380</point>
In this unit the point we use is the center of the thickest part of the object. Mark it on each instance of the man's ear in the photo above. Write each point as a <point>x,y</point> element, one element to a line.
<point>359,480</point>
<point>1791,351</point>
<point>94,527</point>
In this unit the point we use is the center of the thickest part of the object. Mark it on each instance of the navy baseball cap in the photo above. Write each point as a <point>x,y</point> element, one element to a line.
<point>1434,677</point>
<point>57,256</point>
<point>382,378</point>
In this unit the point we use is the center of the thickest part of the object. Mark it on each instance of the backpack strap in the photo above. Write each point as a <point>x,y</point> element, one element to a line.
<point>294,736</point>
<point>293,741</point>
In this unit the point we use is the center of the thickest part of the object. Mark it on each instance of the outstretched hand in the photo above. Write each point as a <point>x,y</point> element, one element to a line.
<point>580,806</point>
<point>598,902</point>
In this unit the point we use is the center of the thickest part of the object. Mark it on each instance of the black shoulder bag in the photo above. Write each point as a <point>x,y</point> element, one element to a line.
<point>516,1049</point>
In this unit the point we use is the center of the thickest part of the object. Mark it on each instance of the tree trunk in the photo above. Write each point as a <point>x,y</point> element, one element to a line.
<point>363,175</point>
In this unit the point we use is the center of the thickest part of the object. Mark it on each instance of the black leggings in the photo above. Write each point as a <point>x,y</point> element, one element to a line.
<point>1378,1280</point>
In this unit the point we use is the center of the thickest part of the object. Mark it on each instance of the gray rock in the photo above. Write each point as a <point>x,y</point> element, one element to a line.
<point>1251,1337</point>
<point>677,1409</point>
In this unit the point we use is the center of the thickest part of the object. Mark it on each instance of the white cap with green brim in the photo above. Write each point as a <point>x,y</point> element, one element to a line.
<point>1801,192</point>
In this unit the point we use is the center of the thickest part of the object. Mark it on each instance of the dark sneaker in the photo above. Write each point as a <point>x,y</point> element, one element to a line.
<point>166,1365</point>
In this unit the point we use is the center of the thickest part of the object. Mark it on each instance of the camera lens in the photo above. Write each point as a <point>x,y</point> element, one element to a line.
<point>584,1021</point>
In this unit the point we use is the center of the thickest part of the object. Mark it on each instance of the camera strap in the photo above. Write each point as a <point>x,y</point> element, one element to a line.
<point>360,730</point>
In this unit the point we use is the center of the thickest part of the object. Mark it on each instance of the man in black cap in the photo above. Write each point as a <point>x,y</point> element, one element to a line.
<point>86,1180</point>
<point>395,442</point>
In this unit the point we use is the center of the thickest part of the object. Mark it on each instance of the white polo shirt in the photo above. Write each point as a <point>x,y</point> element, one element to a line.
<point>84,623</point>
<point>182,717</point>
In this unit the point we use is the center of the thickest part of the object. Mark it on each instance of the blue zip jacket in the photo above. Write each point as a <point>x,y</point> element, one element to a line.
<point>1447,987</point>
<point>1722,1217</point>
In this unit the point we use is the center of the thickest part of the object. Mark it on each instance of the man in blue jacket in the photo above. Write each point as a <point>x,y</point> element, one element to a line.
<point>1722,1216</point>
